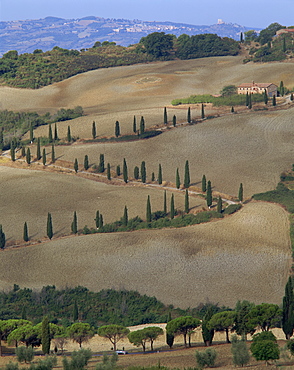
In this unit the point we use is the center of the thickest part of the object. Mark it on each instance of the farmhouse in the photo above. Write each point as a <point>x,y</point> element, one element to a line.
<point>258,88</point>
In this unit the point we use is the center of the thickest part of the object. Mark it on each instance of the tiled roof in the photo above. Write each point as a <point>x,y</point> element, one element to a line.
<point>252,84</point>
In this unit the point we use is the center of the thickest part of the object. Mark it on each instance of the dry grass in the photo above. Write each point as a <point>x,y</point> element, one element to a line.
<point>245,256</point>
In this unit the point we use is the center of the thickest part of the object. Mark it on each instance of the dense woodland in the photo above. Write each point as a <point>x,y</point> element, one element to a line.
<point>44,68</point>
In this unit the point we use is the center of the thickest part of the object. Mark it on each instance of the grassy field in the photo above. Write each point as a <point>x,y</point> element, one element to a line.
<point>244,256</point>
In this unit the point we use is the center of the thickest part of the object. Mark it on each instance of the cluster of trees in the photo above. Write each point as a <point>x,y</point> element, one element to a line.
<point>43,68</point>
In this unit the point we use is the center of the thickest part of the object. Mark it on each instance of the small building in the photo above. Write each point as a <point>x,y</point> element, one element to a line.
<point>258,88</point>
<point>285,31</point>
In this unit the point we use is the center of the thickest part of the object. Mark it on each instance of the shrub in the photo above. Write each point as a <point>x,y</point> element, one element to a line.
<point>240,352</point>
<point>79,359</point>
<point>24,354</point>
<point>206,358</point>
<point>232,208</point>
<point>11,366</point>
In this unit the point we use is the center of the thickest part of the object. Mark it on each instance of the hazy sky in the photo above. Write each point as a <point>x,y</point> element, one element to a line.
<point>251,13</point>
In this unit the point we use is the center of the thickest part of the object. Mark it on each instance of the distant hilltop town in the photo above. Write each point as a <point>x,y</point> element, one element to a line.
<point>25,36</point>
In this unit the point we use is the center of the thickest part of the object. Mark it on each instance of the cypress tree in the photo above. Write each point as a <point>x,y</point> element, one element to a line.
<point>203,184</point>
<point>31,133</point>
<point>189,115</point>
<point>165,116</point>
<point>172,207</point>
<point>1,138</point>
<point>86,162</point>
<point>250,102</point>
<point>169,337</point>
<point>68,134</point>
<point>44,157</point>
<point>24,313</point>
<point>134,125</point>
<point>282,89</point>
<point>274,101</point>
<point>136,172</point>
<point>219,205</point>
<point>25,232</point>
<point>45,336</point>
<point>291,97</point>
<point>125,171</point>
<point>187,175</point>
<point>178,181</point>
<point>97,219</point>
<point>284,48</point>
<point>265,97</point>
<point>2,238</point>
<point>125,218</point>
<point>288,310</point>
<point>159,174</point>
<point>55,132</point>
<point>75,314</point>
<point>49,226</point>
<point>202,111</point>
<point>53,154</point>
<point>38,149</point>
<point>101,167</point>
<point>232,110</point>
<point>12,152</point>
<point>209,194</point>
<point>247,99</point>
<point>74,224</point>
<point>28,156</point>
<point>143,172</point>
<point>142,126</point>
<point>108,172</point>
<point>207,334</point>
<point>148,210</point>
<point>100,220</point>
<point>174,120</point>
<point>117,129</point>
<point>152,176</point>
<point>76,165</point>
<point>186,201</point>
<point>94,130</point>
<point>118,173</point>
<point>50,137</point>
<point>164,203</point>
<point>241,37</point>
<point>240,194</point>
<point>23,151</point>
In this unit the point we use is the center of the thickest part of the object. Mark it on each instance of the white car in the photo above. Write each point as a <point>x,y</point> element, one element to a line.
<point>120,352</point>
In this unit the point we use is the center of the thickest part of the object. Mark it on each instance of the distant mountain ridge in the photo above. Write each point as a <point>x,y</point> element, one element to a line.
<point>25,36</point>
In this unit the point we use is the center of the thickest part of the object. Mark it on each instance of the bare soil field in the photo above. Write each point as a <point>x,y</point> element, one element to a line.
<point>249,148</point>
<point>32,194</point>
<point>245,256</point>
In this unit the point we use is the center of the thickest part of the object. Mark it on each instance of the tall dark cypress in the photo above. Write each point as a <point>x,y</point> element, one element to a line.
<point>142,126</point>
<point>134,125</point>
<point>49,226</point>
<point>74,224</point>
<point>143,172</point>
<point>164,203</point>
<point>2,238</point>
<point>31,133</point>
<point>240,194</point>
<point>100,220</point>
<point>45,336</point>
<point>187,175</point>
<point>68,134</point>
<point>108,172</point>
<point>165,116</point>
<point>274,102</point>
<point>219,205</point>
<point>50,137</point>
<point>53,154</point>
<point>38,149</point>
<point>117,129</point>
<point>101,167</point>
<point>12,152</point>
<point>174,120</point>
<point>94,130</point>
<point>265,97</point>
<point>25,232</point>
<point>189,115</point>
<point>55,132</point>
<point>1,138</point>
<point>125,171</point>
<point>247,99</point>
<point>178,181</point>
<point>86,162</point>
<point>125,218</point>
<point>203,184</point>
<point>76,165</point>
<point>28,156</point>
<point>202,111</point>
<point>186,201</point>
<point>23,151</point>
<point>97,219</point>
<point>288,310</point>
<point>75,314</point>
<point>44,157</point>
<point>118,173</point>
<point>172,207</point>
<point>136,173</point>
<point>159,174</point>
<point>209,194</point>
<point>148,210</point>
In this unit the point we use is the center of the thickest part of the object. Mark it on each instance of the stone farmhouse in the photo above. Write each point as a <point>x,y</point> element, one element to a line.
<point>258,88</point>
